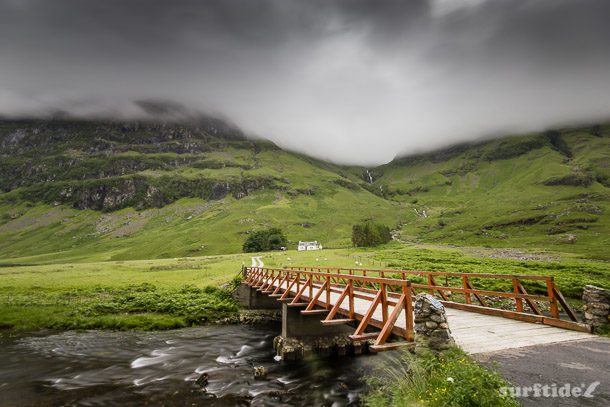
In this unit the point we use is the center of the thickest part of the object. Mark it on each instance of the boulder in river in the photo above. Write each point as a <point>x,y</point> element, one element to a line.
<point>202,380</point>
<point>260,373</point>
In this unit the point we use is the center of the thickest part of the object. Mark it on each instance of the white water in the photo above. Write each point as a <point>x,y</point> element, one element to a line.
<point>161,368</point>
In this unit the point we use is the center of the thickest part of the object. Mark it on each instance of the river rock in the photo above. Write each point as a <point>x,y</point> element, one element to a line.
<point>260,372</point>
<point>431,325</point>
<point>437,318</point>
<point>202,380</point>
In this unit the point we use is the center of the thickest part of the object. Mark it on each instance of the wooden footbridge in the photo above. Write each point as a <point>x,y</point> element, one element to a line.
<point>379,304</point>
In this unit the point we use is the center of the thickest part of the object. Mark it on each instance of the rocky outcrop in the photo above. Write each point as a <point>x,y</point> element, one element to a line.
<point>431,322</point>
<point>23,136</point>
<point>141,192</point>
<point>13,139</point>
<point>108,166</point>
<point>576,179</point>
<point>18,172</point>
<point>596,307</point>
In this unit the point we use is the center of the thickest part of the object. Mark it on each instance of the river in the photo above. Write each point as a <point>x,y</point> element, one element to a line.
<point>100,368</point>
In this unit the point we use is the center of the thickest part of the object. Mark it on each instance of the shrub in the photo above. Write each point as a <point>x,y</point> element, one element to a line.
<point>194,305</point>
<point>264,240</point>
<point>445,380</point>
<point>370,234</point>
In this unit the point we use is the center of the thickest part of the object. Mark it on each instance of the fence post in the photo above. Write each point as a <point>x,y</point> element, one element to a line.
<point>518,301</point>
<point>465,285</point>
<point>552,300</point>
<point>311,287</point>
<point>384,302</point>
<point>406,290</point>
<point>351,299</point>
<point>328,292</point>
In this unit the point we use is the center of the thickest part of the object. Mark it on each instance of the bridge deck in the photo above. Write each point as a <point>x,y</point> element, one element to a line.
<point>475,333</point>
<point>478,333</point>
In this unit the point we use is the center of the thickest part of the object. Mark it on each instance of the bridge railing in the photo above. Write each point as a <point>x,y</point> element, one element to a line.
<point>527,306</point>
<point>323,292</point>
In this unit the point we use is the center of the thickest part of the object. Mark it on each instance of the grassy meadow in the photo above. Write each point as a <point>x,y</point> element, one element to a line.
<point>178,292</point>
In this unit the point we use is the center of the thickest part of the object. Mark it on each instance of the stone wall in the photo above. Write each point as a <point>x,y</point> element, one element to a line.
<point>431,322</point>
<point>596,307</point>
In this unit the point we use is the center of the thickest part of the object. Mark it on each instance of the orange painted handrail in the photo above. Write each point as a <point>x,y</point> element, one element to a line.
<point>518,293</point>
<point>296,288</point>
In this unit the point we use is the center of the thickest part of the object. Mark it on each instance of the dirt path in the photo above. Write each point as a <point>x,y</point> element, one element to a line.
<point>257,261</point>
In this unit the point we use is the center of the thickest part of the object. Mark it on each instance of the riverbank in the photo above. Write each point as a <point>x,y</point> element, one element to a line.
<point>448,379</point>
<point>134,307</point>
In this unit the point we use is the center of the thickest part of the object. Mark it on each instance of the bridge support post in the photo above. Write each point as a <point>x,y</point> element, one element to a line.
<point>297,325</point>
<point>304,334</point>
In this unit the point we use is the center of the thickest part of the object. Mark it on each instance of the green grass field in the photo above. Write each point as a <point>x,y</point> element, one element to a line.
<point>178,292</point>
<point>125,226</point>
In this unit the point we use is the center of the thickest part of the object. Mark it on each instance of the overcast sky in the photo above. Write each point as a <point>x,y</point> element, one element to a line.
<point>351,81</point>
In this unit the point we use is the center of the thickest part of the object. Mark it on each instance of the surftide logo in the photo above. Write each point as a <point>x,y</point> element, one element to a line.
<point>553,390</point>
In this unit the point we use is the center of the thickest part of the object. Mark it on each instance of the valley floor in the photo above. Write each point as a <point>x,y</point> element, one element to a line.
<point>172,293</point>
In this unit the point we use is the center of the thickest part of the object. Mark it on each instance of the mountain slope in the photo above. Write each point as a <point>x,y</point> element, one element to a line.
<point>77,190</point>
<point>98,190</point>
<point>545,190</point>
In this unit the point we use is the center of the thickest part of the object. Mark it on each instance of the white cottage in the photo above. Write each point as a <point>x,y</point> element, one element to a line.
<point>309,246</point>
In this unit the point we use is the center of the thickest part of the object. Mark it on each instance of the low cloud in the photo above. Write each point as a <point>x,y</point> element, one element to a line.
<point>350,81</point>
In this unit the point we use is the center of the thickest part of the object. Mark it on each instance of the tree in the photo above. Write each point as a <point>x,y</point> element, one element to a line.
<point>264,240</point>
<point>368,234</point>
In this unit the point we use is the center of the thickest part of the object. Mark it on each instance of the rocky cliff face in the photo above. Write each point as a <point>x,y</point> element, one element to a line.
<point>108,166</point>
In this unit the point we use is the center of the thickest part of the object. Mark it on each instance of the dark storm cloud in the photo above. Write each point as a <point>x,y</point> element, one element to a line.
<point>352,81</point>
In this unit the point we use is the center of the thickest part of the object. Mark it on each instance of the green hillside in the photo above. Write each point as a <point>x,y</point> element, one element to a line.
<point>94,191</point>
<point>100,191</point>
<point>540,191</point>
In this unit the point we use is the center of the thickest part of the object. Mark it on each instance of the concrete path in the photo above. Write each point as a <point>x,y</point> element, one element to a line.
<point>580,363</point>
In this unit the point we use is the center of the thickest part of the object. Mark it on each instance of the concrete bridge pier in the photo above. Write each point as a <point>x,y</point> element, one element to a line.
<point>302,335</point>
<point>297,325</point>
<point>250,298</point>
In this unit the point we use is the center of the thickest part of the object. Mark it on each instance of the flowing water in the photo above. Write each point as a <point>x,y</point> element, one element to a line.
<point>161,368</point>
